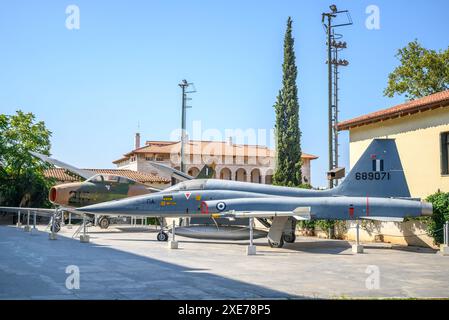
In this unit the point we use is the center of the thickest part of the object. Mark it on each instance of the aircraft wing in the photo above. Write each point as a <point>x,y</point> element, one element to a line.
<point>300,213</point>
<point>384,219</point>
<point>178,175</point>
<point>85,174</point>
<point>377,209</point>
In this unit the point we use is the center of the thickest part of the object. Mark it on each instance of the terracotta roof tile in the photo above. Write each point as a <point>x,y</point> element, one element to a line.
<point>440,99</point>
<point>61,174</point>
<point>215,148</point>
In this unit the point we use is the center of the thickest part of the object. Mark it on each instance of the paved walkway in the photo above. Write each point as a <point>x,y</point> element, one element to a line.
<point>131,264</point>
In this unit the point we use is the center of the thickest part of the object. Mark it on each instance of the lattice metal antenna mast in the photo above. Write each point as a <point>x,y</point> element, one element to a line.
<point>184,85</point>
<point>333,46</point>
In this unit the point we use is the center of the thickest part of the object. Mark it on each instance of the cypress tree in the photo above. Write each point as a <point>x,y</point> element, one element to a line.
<point>288,135</point>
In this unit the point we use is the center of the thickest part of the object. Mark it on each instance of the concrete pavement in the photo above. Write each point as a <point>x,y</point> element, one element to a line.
<point>127,263</point>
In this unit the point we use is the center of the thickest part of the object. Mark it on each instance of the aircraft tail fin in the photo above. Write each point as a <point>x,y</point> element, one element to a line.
<point>206,172</point>
<point>85,174</point>
<point>378,173</point>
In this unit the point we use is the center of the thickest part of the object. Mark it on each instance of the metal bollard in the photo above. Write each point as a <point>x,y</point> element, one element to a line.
<point>27,227</point>
<point>446,233</point>
<point>251,250</point>
<point>173,244</point>
<point>251,237</point>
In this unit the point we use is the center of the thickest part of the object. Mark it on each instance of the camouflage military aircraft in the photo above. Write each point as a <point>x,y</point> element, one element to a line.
<point>375,189</point>
<point>96,188</point>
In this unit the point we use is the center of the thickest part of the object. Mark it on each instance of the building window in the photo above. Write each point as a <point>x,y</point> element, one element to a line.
<point>444,138</point>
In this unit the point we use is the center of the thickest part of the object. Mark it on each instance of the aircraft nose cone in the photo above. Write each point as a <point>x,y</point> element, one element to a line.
<point>426,209</point>
<point>53,194</point>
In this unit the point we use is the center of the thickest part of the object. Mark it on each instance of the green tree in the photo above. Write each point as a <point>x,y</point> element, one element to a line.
<point>288,134</point>
<point>421,72</point>
<point>440,203</point>
<point>22,182</point>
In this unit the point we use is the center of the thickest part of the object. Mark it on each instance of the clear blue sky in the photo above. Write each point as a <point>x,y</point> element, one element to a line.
<point>92,86</point>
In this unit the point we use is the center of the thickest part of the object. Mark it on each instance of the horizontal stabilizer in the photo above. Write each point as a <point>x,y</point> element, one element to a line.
<point>302,213</point>
<point>385,219</point>
<point>301,218</point>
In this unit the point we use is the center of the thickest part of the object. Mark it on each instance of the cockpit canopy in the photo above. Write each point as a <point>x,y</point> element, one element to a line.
<point>188,185</point>
<point>110,178</point>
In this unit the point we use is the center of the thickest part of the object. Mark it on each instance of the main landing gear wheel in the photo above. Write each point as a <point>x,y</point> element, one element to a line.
<point>279,244</point>
<point>289,238</point>
<point>162,236</point>
<point>104,223</point>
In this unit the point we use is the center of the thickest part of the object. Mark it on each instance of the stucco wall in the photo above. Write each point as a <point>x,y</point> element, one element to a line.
<point>412,233</point>
<point>418,141</point>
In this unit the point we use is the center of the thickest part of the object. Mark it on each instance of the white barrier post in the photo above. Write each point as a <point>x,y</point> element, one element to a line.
<point>173,244</point>
<point>52,235</point>
<point>357,247</point>
<point>69,226</point>
<point>444,248</point>
<point>34,221</point>
<point>84,238</point>
<point>27,227</point>
<point>446,233</point>
<point>251,249</point>
<point>19,224</point>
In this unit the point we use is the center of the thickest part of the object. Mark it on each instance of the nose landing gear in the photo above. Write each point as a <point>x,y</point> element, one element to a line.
<point>162,236</point>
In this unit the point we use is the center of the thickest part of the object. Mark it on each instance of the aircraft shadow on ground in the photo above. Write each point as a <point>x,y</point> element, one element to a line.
<point>316,246</point>
<point>106,273</point>
<point>319,247</point>
<point>121,229</point>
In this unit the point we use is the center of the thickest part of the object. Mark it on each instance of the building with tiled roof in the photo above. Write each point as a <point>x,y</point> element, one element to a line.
<point>434,101</point>
<point>62,176</point>
<point>421,130</point>
<point>242,162</point>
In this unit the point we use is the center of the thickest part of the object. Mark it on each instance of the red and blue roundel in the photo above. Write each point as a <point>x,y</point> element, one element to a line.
<point>221,206</point>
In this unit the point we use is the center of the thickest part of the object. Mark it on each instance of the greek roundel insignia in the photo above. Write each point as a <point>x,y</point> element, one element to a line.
<point>378,165</point>
<point>221,206</point>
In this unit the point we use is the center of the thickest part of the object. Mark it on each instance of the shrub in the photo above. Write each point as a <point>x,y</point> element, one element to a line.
<point>440,202</point>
